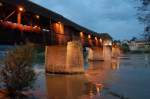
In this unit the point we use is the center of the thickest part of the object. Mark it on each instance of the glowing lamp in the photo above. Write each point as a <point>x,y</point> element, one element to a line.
<point>59,22</point>
<point>21,9</point>
<point>37,16</point>
<point>96,38</point>
<point>35,26</point>
<point>81,34</point>
<point>89,36</point>
<point>110,43</point>
<point>100,40</point>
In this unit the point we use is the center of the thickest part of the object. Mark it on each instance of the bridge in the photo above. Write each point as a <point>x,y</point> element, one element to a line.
<point>64,40</point>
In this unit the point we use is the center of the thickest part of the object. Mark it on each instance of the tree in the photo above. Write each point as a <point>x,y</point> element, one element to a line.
<point>133,39</point>
<point>125,47</point>
<point>144,17</point>
<point>17,72</point>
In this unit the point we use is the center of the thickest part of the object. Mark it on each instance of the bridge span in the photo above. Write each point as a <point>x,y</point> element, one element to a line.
<point>64,40</point>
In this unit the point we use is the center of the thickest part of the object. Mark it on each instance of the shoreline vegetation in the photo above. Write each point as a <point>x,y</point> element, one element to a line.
<point>125,49</point>
<point>139,52</point>
<point>17,75</point>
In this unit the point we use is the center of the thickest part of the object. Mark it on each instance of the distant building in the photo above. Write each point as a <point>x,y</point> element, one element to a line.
<point>138,45</point>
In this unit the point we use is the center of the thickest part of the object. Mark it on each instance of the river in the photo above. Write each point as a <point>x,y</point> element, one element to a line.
<point>123,78</point>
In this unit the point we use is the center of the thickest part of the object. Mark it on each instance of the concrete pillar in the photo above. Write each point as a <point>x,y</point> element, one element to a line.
<point>107,52</point>
<point>116,52</point>
<point>95,54</point>
<point>65,59</point>
<point>75,55</point>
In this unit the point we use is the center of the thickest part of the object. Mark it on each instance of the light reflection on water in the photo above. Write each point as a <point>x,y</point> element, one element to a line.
<point>85,86</point>
<point>117,79</point>
<point>71,87</point>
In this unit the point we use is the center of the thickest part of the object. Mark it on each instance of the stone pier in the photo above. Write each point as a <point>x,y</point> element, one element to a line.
<point>95,54</point>
<point>64,59</point>
<point>107,52</point>
<point>116,52</point>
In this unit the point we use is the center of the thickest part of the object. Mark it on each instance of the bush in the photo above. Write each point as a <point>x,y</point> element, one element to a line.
<point>17,72</point>
<point>125,48</point>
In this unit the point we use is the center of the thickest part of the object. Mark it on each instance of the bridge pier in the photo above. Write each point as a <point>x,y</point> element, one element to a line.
<point>100,53</point>
<point>107,52</point>
<point>95,54</point>
<point>116,52</point>
<point>64,59</point>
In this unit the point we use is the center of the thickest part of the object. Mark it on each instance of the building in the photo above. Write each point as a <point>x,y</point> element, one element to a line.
<point>139,45</point>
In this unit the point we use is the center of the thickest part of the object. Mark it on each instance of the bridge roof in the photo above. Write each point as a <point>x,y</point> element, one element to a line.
<point>36,9</point>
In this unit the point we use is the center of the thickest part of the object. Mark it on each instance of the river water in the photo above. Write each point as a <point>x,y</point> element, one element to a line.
<point>124,78</point>
<point>127,77</point>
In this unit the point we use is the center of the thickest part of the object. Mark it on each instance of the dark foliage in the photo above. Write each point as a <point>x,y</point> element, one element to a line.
<point>133,39</point>
<point>17,72</point>
<point>144,17</point>
<point>125,47</point>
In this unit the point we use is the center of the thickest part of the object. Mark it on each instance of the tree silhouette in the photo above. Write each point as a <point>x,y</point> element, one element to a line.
<point>144,17</point>
<point>17,72</point>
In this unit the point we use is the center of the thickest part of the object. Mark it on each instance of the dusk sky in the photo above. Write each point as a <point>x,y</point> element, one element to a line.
<point>116,17</point>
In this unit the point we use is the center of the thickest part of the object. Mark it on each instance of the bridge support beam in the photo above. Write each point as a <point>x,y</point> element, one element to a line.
<point>95,54</point>
<point>64,59</point>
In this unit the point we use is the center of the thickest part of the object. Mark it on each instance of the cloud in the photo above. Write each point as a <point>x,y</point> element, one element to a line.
<point>117,17</point>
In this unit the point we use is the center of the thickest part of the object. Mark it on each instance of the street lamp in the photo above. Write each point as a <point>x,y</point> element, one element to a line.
<point>59,22</point>
<point>37,16</point>
<point>21,9</point>
<point>96,38</point>
<point>89,36</point>
<point>108,43</point>
<point>100,40</point>
<point>81,34</point>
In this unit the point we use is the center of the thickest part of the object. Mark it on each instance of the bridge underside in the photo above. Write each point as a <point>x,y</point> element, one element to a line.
<point>17,35</point>
<point>11,37</point>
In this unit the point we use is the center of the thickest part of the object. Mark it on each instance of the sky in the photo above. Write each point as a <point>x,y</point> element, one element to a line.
<point>116,17</point>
